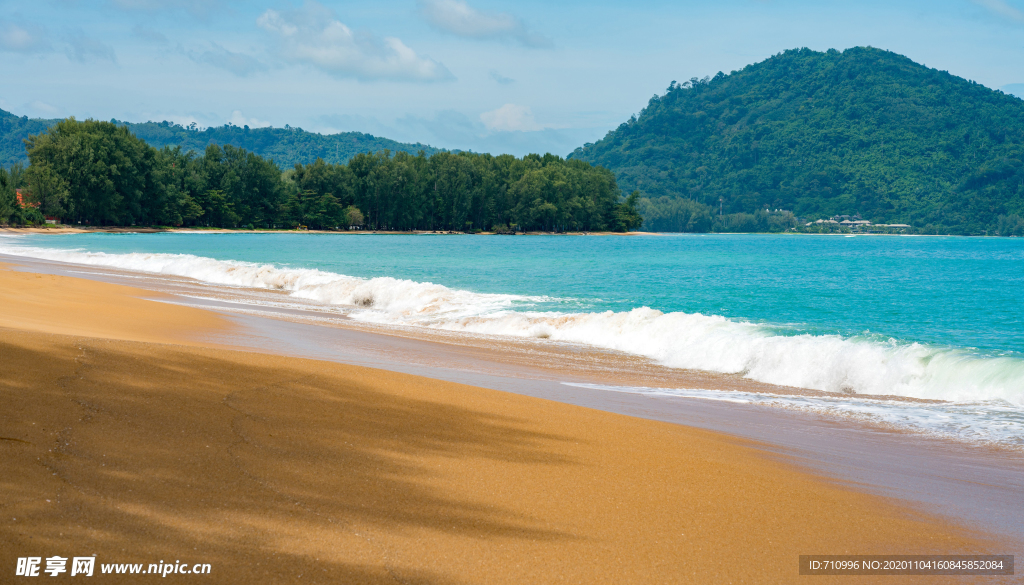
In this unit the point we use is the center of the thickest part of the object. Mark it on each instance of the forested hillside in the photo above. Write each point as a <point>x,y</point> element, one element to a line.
<point>13,132</point>
<point>860,132</point>
<point>285,146</point>
<point>99,173</point>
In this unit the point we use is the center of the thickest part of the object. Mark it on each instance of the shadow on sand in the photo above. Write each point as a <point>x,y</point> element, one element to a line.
<point>270,469</point>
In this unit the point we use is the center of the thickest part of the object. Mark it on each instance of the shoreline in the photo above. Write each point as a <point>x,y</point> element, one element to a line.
<point>155,230</point>
<point>566,361</point>
<point>588,363</point>
<point>482,486</point>
<point>160,230</point>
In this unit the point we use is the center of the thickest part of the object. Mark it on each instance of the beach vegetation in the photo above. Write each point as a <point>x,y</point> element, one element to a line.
<point>9,207</point>
<point>353,217</point>
<point>627,217</point>
<point>100,174</point>
<point>1012,225</point>
<point>12,210</point>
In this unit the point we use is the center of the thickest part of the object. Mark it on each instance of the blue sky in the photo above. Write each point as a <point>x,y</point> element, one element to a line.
<point>487,75</point>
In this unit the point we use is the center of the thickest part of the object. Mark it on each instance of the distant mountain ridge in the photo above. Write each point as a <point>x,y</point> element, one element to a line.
<point>13,130</point>
<point>862,131</point>
<point>286,146</point>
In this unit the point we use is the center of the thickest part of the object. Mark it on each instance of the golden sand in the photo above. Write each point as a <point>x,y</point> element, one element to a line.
<point>74,306</point>
<point>279,470</point>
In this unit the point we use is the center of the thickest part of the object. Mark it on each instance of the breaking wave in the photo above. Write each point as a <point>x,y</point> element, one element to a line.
<point>994,422</point>
<point>681,340</point>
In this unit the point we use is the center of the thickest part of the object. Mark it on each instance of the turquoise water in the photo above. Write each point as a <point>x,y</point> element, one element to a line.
<point>863,317</point>
<point>950,292</point>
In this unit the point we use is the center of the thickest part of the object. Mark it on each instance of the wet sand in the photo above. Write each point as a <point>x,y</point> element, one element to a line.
<point>145,441</point>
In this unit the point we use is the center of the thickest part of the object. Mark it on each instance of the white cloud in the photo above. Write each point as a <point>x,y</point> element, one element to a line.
<point>22,39</point>
<point>83,48</point>
<point>238,63</point>
<point>314,36</point>
<point>239,120</point>
<point>510,118</point>
<point>460,19</point>
<point>1001,8</point>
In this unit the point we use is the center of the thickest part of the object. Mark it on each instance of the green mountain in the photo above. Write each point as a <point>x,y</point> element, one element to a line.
<point>860,132</point>
<point>286,146</point>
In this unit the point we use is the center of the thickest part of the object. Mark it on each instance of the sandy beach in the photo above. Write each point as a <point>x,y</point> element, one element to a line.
<point>131,433</point>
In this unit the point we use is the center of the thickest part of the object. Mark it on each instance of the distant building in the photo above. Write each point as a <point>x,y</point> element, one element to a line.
<point>21,199</point>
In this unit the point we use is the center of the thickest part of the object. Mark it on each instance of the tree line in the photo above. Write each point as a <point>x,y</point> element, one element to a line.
<point>99,173</point>
<point>666,214</point>
<point>11,210</point>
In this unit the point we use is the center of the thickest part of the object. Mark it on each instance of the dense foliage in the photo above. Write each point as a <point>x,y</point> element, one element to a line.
<point>861,132</point>
<point>99,173</point>
<point>286,145</point>
<point>11,210</point>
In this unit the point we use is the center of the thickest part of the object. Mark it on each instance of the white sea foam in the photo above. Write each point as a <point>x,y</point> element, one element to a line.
<point>681,340</point>
<point>994,422</point>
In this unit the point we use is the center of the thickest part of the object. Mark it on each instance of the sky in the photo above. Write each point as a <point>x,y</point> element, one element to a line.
<point>484,75</point>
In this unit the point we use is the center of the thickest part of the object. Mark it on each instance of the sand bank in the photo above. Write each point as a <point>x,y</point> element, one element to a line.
<point>276,469</point>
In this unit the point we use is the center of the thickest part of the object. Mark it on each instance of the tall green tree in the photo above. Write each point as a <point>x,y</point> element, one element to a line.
<point>9,207</point>
<point>94,172</point>
<point>627,217</point>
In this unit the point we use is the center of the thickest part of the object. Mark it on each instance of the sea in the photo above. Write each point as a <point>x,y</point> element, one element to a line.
<point>869,319</point>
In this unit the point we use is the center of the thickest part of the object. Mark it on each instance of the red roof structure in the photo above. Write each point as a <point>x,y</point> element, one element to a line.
<point>21,201</point>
